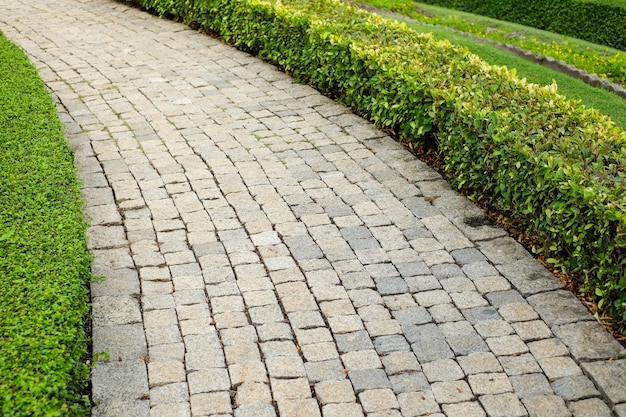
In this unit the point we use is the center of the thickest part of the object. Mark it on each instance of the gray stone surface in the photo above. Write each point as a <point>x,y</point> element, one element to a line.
<point>269,253</point>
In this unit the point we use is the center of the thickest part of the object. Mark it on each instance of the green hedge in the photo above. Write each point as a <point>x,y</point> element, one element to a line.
<point>522,148</point>
<point>44,263</point>
<point>600,22</point>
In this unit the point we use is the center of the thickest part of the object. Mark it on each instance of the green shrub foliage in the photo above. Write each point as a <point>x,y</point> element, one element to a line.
<point>44,263</point>
<point>522,148</point>
<point>600,22</point>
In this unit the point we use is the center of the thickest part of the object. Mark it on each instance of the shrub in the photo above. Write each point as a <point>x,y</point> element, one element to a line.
<point>522,148</point>
<point>44,263</point>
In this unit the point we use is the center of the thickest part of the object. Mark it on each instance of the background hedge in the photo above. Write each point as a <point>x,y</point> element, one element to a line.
<point>44,263</point>
<point>601,21</point>
<point>558,167</point>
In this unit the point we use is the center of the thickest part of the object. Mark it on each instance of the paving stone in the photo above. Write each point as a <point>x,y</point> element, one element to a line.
<point>559,367</point>
<point>530,385</point>
<point>250,371</point>
<point>520,364</point>
<point>208,380</point>
<point>502,405</point>
<point>165,372</point>
<point>506,345</point>
<point>544,406</point>
<point>413,404</point>
<point>491,383</point>
<point>448,392</point>
<point>285,367</point>
<point>559,307</point>
<point>255,410</point>
<point>474,315</point>
<point>290,389</point>
<point>468,409</point>
<point>368,379</point>
<point>610,377</point>
<point>429,344</point>
<point>443,313</point>
<point>532,330</point>
<point>462,338</point>
<point>588,341</point>
<point>374,400</point>
<point>501,298</point>
<point>422,283</point>
<point>443,370</point>
<point>488,284</point>
<point>479,362</point>
<point>342,410</point>
<point>348,342</point>
<point>299,408</point>
<point>548,348</point>
<point>529,277</point>
<point>331,369</point>
<point>328,392</point>
<point>494,328</point>
<point>408,382</point>
<point>590,407</point>
<point>574,388</point>
<point>399,361</point>
<point>362,359</point>
<point>252,393</point>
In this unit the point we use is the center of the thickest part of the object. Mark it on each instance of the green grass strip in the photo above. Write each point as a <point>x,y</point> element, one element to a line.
<point>44,262</point>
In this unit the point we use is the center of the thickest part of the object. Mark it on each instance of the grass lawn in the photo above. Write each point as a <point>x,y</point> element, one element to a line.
<point>44,262</point>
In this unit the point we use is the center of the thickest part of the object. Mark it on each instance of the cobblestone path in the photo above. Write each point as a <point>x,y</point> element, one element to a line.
<point>268,253</point>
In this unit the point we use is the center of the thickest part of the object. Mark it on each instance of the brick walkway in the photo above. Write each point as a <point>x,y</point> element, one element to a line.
<point>268,253</point>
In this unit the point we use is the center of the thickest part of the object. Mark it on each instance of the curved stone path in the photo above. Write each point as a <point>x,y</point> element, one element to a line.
<point>268,253</point>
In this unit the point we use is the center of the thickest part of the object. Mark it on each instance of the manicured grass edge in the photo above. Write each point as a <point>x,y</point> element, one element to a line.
<point>557,167</point>
<point>44,262</point>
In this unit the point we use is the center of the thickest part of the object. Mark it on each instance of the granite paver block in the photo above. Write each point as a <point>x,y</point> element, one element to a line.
<point>342,410</point>
<point>559,307</point>
<point>328,392</point>
<point>531,385</point>
<point>519,364</point>
<point>408,382</point>
<point>610,377</point>
<point>429,344</point>
<point>443,370</point>
<point>479,362</point>
<point>447,392</point>
<point>413,404</point>
<point>299,408</point>
<point>253,393</point>
<point>546,406</point>
<point>374,400</point>
<point>330,369</point>
<point>358,340</point>
<point>529,277</point>
<point>211,403</point>
<point>120,341</point>
<point>468,409</point>
<point>502,405</point>
<point>494,328</point>
<point>368,379</point>
<point>290,389</point>
<point>255,410</point>
<point>590,407</point>
<point>574,388</point>
<point>588,341</point>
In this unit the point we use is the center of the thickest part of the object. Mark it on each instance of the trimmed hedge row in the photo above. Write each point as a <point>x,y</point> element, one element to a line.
<point>599,22</point>
<point>44,262</point>
<point>520,147</point>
